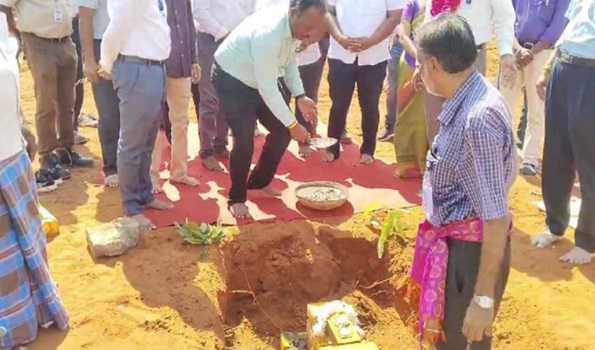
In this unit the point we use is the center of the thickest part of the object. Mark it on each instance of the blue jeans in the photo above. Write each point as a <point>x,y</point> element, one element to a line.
<point>107,103</point>
<point>141,90</point>
<point>393,80</point>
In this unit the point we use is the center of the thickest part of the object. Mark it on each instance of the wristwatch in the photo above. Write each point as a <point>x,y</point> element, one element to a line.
<point>483,302</point>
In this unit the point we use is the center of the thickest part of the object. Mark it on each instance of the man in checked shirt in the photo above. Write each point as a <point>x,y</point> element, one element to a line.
<point>469,171</point>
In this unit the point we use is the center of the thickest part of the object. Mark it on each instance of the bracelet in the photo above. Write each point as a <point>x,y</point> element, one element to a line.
<point>292,125</point>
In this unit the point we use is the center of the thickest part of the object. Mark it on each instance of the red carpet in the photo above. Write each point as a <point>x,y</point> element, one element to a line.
<point>368,185</point>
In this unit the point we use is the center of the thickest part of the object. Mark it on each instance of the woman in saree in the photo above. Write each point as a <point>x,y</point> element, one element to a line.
<point>410,143</point>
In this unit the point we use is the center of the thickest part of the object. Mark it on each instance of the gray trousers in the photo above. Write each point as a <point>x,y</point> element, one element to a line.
<point>141,90</point>
<point>569,132</point>
<point>433,104</point>
<point>461,277</point>
<point>107,103</point>
<point>213,129</point>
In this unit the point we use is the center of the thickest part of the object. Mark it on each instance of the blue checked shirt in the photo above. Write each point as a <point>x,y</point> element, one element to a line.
<point>471,163</point>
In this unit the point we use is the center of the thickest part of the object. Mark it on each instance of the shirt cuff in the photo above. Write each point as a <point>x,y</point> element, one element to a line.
<point>505,48</point>
<point>90,4</point>
<point>106,64</point>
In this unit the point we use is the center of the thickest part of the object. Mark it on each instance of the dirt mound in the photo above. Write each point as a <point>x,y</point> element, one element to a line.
<point>271,278</point>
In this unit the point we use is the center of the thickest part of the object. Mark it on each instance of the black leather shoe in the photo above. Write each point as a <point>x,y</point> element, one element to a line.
<point>71,158</point>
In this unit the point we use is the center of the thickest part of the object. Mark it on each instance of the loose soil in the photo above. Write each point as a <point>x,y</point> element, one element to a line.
<point>168,295</point>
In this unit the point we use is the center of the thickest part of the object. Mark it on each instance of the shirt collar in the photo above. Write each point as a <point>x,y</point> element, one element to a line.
<point>288,35</point>
<point>451,106</point>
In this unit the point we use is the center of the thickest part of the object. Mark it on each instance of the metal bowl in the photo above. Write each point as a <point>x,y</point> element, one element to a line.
<point>303,194</point>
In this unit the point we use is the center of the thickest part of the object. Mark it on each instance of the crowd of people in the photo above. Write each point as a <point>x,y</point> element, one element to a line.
<point>242,62</point>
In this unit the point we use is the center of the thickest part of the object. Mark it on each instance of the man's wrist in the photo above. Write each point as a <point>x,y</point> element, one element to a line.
<point>300,96</point>
<point>292,125</point>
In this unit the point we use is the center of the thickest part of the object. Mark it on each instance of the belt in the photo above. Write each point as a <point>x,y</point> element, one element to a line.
<point>134,59</point>
<point>567,58</point>
<point>51,40</point>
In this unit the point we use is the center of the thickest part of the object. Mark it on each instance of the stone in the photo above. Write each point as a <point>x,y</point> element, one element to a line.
<point>114,238</point>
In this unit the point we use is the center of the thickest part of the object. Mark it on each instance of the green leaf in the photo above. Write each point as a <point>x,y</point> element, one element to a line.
<point>389,228</point>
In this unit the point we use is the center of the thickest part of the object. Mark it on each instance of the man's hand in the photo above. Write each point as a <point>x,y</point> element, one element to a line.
<point>300,134</point>
<point>507,69</point>
<point>478,322</point>
<point>103,74</point>
<point>91,70</point>
<point>31,142</point>
<point>308,109</point>
<point>542,85</point>
<point>364,43</point>
<point>349,44</point>
<point>523,57</point>
<point>196,73</point>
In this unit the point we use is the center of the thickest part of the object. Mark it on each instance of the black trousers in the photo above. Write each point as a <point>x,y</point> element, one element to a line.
<point>311,75</point>
<point>569,134</point>
<point>342,80</point>
<point>461,277</point>
<point>242,107</point>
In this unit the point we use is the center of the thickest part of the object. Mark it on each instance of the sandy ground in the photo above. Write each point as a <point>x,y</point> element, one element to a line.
<point>165,295</point>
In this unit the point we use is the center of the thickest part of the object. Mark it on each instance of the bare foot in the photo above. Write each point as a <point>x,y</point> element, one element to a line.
<point>223,155</point>
<point>577,256</point>
<point>144,224</point>
<point>366,159</point>
<point>545,239</point>
<point>267,191</point>
<point>212,164</point>
<point>305,151</point>
<point>159,205</point>
<point>185,180</point>
<point>240,211</point>
<point>156,185</point>
<point>328,157</point>
<point>112,181</point>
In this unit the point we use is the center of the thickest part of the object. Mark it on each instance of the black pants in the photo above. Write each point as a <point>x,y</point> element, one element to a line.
<point>311,75</point>
<point>342,80</point>
<point>461,277</point>
<point>569,134</point>
<point>242,107</point>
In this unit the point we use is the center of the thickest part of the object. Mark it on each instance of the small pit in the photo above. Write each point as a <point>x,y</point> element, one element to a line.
<point>272,276</point>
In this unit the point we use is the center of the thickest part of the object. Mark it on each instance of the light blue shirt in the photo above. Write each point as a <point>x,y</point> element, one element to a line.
<point>101,18</point>
<point>578,38</point>
<point>259,52</point>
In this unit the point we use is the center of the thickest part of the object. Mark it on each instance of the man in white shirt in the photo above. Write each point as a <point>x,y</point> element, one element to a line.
<point>135,46</point>
<point>486,18</point>
<point>358,54</point>
<point>216,19</point>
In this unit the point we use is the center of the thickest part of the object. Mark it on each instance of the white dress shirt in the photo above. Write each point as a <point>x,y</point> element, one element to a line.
<point>137,28</point>
<point>487,17</point>
<point>11,140</point>
<point>220,17</point>
<point>361,18</point>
